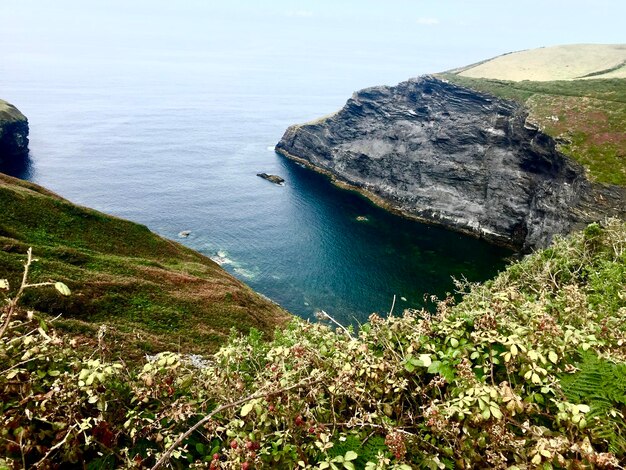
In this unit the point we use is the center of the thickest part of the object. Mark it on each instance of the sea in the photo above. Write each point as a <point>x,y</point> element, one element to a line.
<point>175,139</point>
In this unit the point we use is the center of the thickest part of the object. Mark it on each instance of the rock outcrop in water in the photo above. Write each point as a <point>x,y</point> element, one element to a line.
<point>272,178</point>
<point>13,133</point>
<point>445,154</point>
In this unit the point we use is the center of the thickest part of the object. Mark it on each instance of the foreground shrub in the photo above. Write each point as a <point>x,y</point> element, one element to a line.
<point>527,371</point>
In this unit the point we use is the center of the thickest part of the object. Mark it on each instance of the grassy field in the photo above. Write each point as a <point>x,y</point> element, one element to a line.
<point>586,117</point>
<point>152,293</point>
<point>566,62</point>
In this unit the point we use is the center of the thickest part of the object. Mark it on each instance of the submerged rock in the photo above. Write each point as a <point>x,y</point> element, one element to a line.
<point>273,178</point>
<point>13,133</point>
<point>444,154</point>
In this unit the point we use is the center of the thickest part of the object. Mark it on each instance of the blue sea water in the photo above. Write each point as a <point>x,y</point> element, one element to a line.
<point>175,140</point>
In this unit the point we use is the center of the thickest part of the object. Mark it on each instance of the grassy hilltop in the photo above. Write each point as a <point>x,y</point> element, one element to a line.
<point>153,294</point>
<point>576,94</point>
<point>9,113</point>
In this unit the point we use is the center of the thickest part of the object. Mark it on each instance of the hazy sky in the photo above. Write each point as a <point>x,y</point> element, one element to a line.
<point>399,37</point>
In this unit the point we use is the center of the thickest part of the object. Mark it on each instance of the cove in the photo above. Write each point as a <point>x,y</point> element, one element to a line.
<point>317,246</point>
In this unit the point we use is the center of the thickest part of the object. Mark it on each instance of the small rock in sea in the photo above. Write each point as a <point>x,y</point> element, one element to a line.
<point>184,233</point>
<point>403,299</point>
<point>273,178</point>
<point>362,218</point>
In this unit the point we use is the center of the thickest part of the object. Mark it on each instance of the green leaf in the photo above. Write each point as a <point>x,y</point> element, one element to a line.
<point>351,455</point>
<point>495,411</point>
<point>434,368</point>
<point>246,409</point>
<point>454,342</point>
<point>4,284</point>
<point>583,408</point>
<point>62,288</point>
<point>425,360</point>
<point>348,466</point>
<point>553,357</point>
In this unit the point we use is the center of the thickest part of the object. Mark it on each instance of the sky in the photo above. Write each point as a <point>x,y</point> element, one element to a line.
<point>391,40</point>
<point>462,26</point>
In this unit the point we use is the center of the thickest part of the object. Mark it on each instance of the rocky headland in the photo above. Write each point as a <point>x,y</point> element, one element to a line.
<point>13,133</point>
<point>450,155</point>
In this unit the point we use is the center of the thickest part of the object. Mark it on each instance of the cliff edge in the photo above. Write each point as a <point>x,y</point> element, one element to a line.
<point>13,132</point>
<point>447,154</point>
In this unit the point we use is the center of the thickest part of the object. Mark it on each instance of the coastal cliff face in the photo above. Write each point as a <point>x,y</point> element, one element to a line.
<point>13,132</point>
<point>448,155</point>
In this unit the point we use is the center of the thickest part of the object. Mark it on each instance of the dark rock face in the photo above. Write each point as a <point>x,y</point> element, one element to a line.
<point>13,133</point>
<point>452,156</point>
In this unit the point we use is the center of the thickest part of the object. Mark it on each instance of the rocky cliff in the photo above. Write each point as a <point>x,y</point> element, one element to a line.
<point>445,154</point>
<point>13,132</point>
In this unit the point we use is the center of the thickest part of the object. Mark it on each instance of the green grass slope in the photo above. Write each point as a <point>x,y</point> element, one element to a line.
<point>9,113</point>
<point>153,294</point>
<point>587,118</point>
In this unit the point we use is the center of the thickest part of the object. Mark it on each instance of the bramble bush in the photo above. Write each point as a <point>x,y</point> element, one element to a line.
<point>526,371</point>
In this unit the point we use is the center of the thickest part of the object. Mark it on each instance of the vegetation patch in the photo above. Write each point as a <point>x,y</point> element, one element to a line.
<point>526,371</point>
<point>587,118</point>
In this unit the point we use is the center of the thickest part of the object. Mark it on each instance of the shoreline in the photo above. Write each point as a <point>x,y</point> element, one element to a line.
<point>382,203</point>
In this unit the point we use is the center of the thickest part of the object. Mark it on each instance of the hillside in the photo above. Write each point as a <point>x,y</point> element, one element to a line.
<point>9,113</point>
<point>527,371</point>
<point>567,62</point>
<point>153,294</point>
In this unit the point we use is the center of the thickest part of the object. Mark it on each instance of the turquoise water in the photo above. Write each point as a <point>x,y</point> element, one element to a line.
<point>174,139</point>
